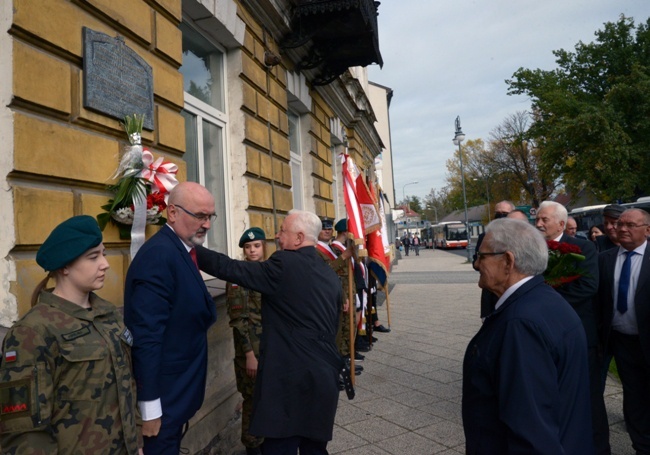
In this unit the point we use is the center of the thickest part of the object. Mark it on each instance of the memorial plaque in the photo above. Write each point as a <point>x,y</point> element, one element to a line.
<point>117,81</point>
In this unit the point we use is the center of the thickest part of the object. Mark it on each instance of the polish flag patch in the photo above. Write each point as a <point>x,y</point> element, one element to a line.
<point>10,356</point>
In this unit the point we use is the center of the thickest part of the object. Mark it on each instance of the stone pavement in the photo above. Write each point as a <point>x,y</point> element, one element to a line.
<point>409,394</point>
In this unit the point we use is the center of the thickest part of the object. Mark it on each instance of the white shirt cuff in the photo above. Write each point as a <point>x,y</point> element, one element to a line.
<point>150,410</point>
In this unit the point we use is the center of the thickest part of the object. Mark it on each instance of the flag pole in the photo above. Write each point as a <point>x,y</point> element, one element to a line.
<point>352,306</point>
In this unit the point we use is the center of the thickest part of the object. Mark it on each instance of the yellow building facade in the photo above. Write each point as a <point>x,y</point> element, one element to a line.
<point>234,107</point>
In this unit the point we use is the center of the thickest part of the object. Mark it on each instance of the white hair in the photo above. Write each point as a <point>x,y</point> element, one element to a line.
<point>308,223</point>
<point>558,210</point>
<point>525,242</point>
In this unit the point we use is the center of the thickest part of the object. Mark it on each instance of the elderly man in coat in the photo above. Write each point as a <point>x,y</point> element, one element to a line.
<point>296,392</point>
<point>525,377</point>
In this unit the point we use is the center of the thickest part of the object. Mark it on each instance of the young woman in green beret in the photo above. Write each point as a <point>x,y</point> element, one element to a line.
<point>245,311</point>
<point>65,375</point>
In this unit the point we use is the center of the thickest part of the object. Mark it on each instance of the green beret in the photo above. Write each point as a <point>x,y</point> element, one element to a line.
<point>251,234</point>
<point>68,241</point>
<point>341,225</point>
<point>328,223</point>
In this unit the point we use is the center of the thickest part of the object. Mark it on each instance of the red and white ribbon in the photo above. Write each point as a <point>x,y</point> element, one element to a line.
<point>161,173</point>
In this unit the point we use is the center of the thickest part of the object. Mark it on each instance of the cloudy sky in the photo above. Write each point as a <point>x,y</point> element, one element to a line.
<point>448,58</point>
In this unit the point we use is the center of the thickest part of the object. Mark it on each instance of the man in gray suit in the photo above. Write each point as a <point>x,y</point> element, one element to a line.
<point>624,299</point>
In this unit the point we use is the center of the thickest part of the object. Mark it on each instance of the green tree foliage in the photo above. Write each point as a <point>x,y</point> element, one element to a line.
<point>592,114</point>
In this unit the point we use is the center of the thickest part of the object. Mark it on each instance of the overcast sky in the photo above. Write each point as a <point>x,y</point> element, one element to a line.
<point>444,59</point>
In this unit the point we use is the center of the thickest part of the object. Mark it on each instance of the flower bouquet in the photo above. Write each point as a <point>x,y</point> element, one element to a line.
<point>562,265</point>
<point>141,191</point>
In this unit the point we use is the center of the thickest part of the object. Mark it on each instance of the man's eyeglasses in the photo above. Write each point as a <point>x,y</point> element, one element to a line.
<point>200,216</point>
<point>482,254</point>
<point>498,215</point>
<point>629,225</point>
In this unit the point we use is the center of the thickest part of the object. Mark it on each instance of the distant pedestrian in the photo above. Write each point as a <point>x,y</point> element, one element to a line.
<point>407,244</point>
<point>525,374</point>
<point>416,245</point>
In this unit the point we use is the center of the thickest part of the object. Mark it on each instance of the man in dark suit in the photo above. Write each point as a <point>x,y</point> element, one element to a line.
<point>169,310</point>
<point>551,221</point>
<point>296,391</point>
<point>525,379</point>
<point>624,299</point>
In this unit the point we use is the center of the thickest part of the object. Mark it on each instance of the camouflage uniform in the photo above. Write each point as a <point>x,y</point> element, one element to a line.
<point>65,381</point>
<point>245,311</point>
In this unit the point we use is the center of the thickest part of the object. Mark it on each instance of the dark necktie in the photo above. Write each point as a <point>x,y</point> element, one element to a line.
<point>624,283</point>
<point>196,262</point>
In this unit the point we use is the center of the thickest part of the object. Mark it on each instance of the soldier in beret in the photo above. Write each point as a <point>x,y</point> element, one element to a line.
<point>65,376</point>
<point>245,312</point>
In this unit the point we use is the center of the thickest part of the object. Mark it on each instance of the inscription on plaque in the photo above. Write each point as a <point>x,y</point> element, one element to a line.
<point>117,81</point>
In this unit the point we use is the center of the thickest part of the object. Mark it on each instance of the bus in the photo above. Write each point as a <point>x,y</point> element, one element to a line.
<point>449,234</point>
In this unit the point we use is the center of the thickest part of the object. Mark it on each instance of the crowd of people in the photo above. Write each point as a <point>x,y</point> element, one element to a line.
<point>78,377</point>
<point>534,374</point>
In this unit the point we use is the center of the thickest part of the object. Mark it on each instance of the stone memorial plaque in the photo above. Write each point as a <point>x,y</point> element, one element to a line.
<point>117,81</point>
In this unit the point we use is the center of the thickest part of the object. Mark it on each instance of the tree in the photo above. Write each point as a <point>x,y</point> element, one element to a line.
<point>591,113</point>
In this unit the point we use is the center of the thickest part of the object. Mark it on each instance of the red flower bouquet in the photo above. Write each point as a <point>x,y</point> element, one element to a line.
<point>563,259</point>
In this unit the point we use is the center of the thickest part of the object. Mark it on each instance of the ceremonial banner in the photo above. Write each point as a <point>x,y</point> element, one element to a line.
<point>377,247</point>
<point>371,221</point>
<point>352,208</point>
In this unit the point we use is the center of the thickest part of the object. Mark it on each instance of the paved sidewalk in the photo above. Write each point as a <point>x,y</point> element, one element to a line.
<point>409,394</point>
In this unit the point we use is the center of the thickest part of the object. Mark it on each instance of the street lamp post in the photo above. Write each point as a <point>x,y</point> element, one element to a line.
<point>458,138</point>
<point>408,204</point>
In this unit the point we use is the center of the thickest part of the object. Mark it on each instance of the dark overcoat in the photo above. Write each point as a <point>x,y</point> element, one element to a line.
<point>168,310</point>
<point>525,378</point>
<point>296,389</point>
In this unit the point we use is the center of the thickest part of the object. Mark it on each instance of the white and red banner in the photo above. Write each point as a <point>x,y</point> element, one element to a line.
<point>352,207</point>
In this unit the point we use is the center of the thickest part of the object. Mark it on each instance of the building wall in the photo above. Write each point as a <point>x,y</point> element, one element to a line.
<point>58,156</point>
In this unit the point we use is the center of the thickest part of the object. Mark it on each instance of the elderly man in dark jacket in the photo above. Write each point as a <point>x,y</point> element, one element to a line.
<point>525,377</point>
<point>296,392</point>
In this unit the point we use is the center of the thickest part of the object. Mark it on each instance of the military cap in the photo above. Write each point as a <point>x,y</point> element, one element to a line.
<point>341,225</point>
<point>251,234</point>
<point>613,210</point>
<point>328,223</point>
<point>68,241</point>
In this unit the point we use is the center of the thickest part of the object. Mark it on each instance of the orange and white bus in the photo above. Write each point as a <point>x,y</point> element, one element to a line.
<point>449,234</point>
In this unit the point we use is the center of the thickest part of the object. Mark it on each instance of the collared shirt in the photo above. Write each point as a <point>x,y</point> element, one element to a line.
<point>559,237</point>
<point>626,323</point>
<point>511,290</point>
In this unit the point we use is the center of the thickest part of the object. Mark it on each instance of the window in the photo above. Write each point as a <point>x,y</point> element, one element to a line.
<point>205,125</point>
<point>296,160</point>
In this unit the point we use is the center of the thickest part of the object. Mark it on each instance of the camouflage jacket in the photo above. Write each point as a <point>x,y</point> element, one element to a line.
<point>65,381</point>
<point>245,311</point>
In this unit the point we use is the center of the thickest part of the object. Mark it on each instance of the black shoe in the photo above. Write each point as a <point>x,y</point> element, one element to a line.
<point>380,328</point>
<point>358,369</point>
<point>358,357</point>
<point>374,339</point>
<point>362,346</point>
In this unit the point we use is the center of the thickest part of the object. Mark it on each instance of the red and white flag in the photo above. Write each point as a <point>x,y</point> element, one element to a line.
<point>352,207</point>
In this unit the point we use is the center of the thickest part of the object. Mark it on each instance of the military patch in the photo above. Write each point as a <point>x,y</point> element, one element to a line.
<point>15,399</point>
<point>251,235</point>
<point>127,337</point>
<point>76,334</point>
<point>10,356</point>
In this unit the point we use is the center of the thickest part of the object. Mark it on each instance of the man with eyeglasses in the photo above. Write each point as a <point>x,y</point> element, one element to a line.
<point>501,210</point>
<point>551,221</point>
<point>624,299</point>
<point>525,380</point>
<point>168,309</point>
